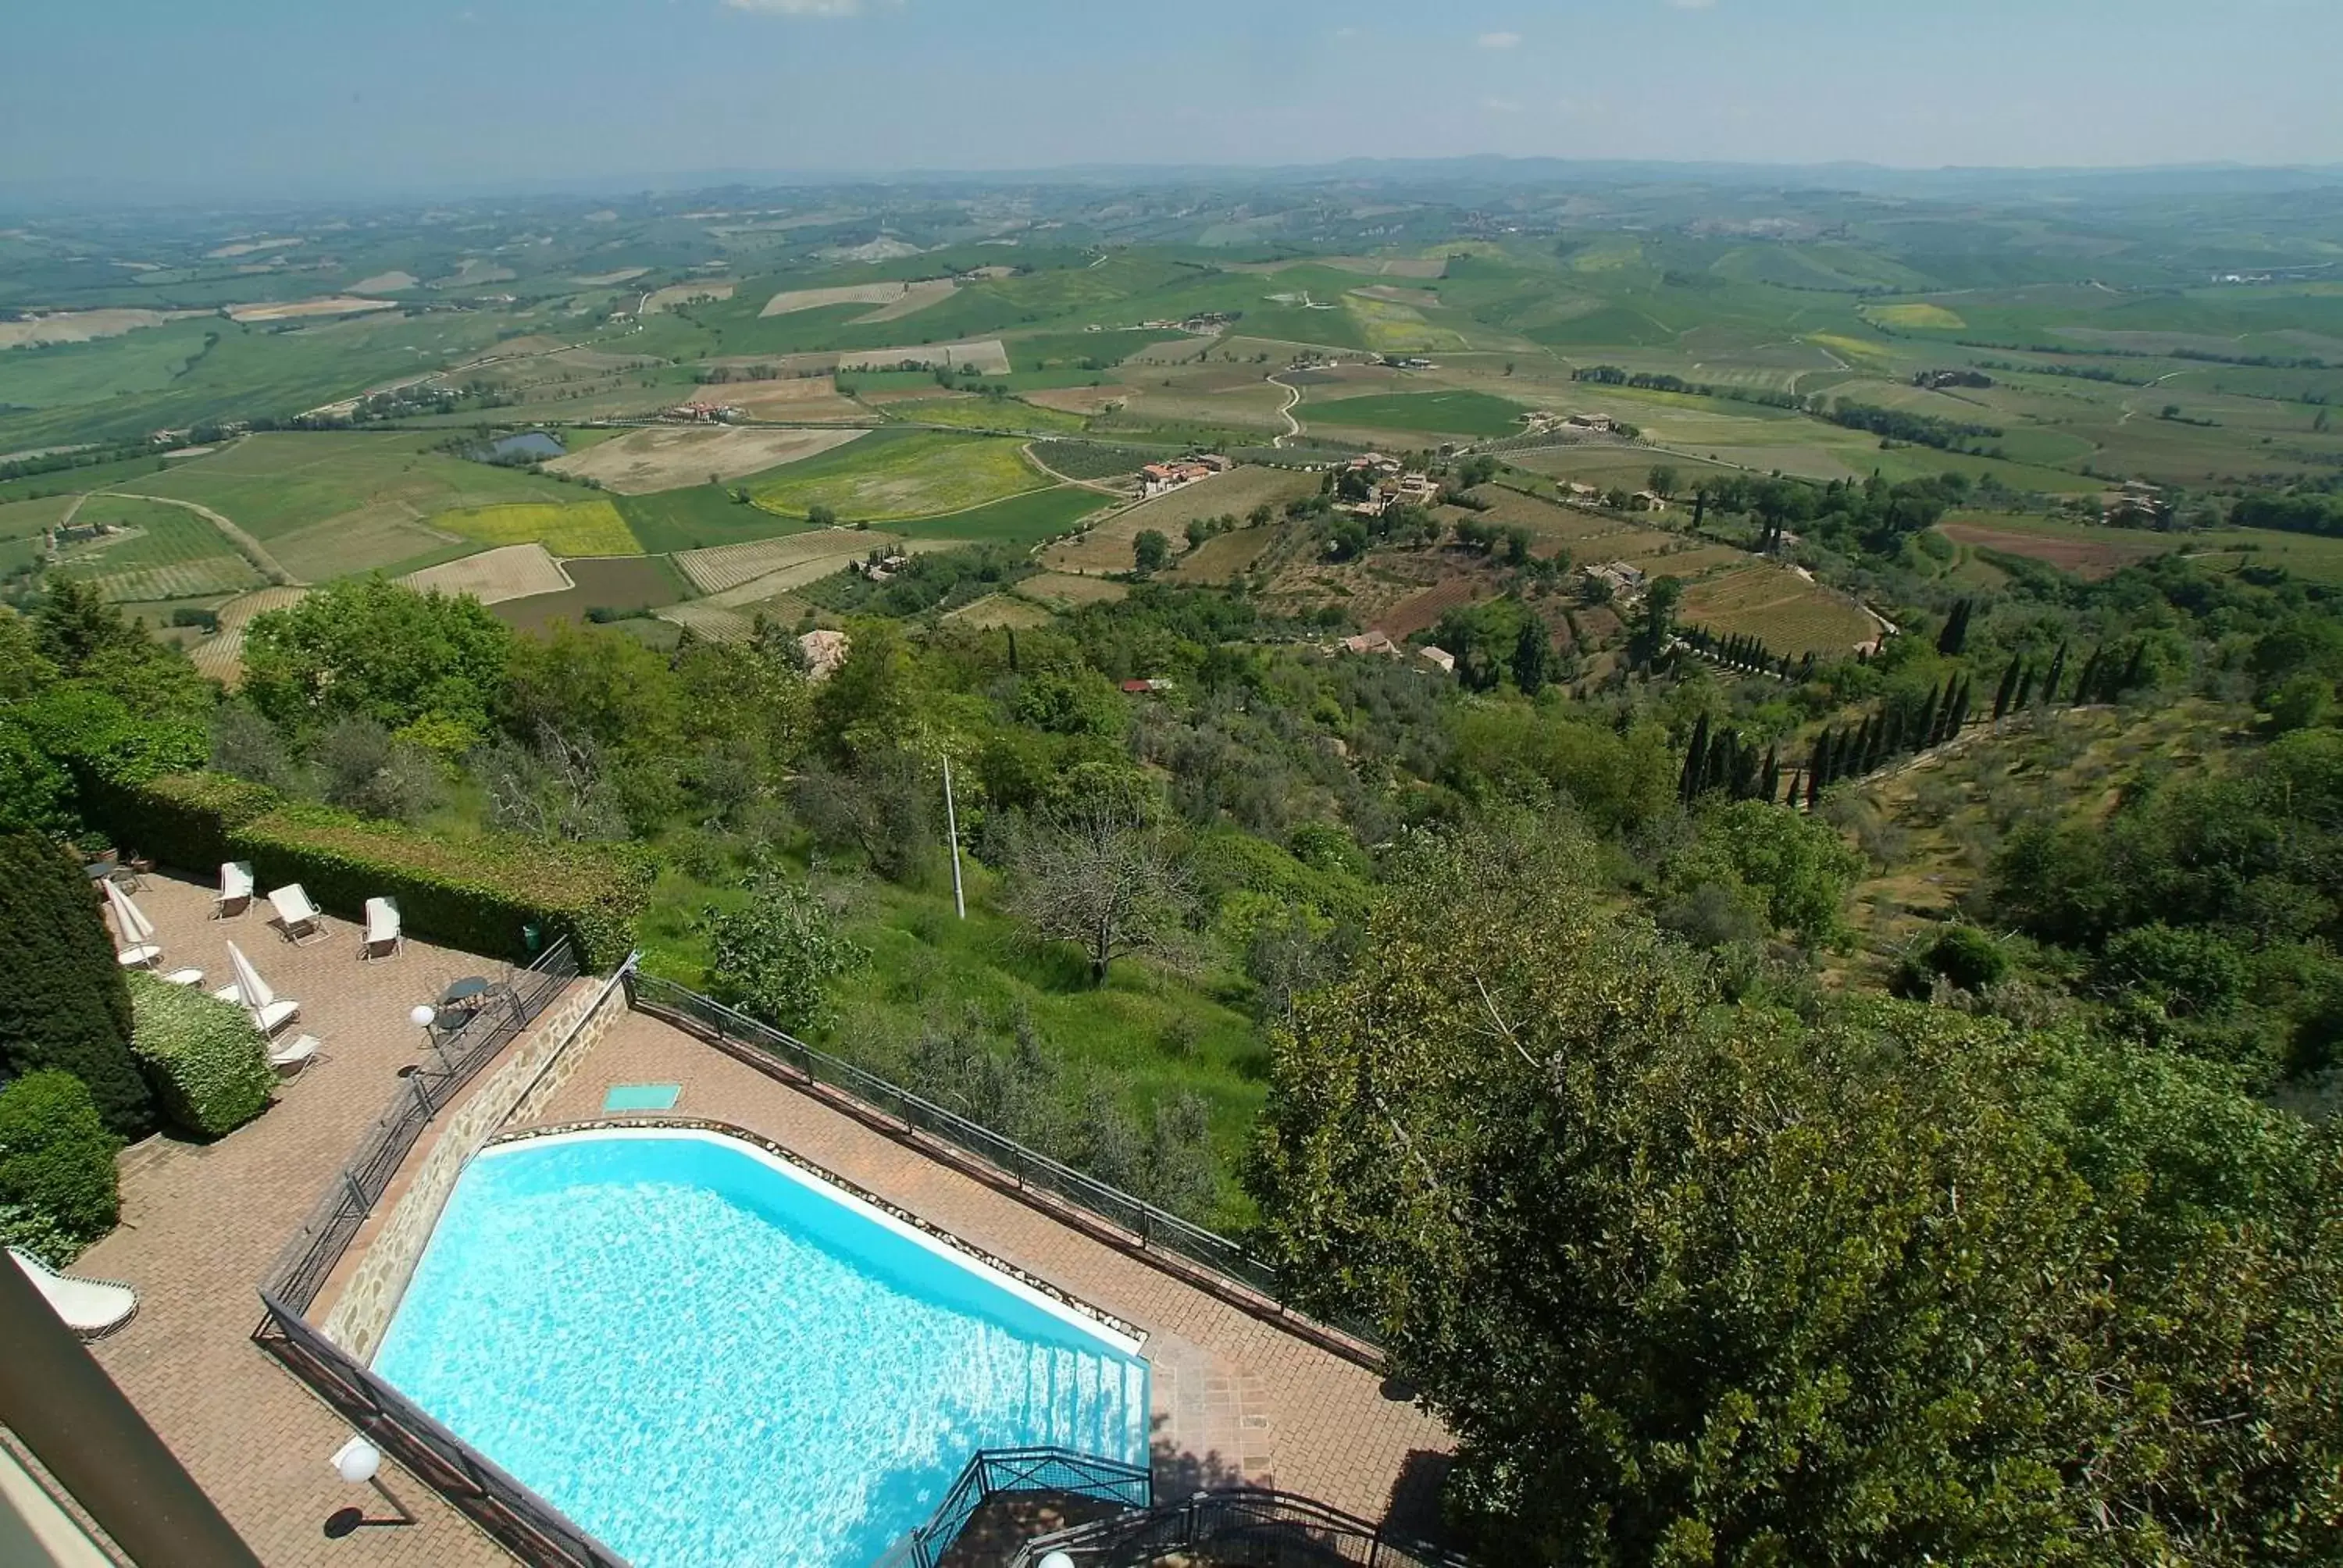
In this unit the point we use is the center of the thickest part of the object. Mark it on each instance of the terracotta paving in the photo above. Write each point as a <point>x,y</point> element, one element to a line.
<point>1234,1397</point>
<point>202,1223</point>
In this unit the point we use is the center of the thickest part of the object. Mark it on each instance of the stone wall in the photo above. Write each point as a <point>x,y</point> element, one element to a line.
<point>517,1090</point>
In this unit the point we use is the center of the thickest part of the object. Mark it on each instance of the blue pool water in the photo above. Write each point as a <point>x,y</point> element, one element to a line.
<point>706,1357</point>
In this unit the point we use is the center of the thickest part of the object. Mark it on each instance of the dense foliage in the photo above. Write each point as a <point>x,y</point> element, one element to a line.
<point>209,1065</point>
<point>58,1188</point>
<point>65,1005</point>
<point>1703,1284</point>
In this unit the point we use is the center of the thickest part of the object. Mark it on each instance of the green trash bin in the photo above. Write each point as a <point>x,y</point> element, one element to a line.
<point>532,939</point>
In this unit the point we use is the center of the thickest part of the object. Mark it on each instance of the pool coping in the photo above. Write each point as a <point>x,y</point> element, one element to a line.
<point>1136,1336</point>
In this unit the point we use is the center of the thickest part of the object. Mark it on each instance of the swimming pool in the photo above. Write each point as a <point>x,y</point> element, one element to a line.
<point>706,1356</point>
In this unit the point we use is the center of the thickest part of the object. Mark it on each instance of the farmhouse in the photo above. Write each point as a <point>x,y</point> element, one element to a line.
<point>1159,478</point>
<point>1602,424</point>
<point>1625,580</point>
<point>702,413</point>
<point>1369,642</point>
<point>1414,489</point>
<point>1440,659</point>
<point>824,652</point>
<point>1649,501</point>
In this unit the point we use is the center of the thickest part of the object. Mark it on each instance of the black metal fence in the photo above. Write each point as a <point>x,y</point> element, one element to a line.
<point>997,1471</point>
<point>532,1529</point>
<point>301,1269</point>
<point>1156,1229</point>
<point>523,1523</point>
<point>1238,1529</point>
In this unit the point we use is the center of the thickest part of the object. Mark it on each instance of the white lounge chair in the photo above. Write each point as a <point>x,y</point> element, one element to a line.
<point>295,913</point>
<point>383,935</point>
<point>139,949</point>
<point>295,1054</point>
<point>269,1012</point>
<point>236,888</point>
<point>89,1307</point>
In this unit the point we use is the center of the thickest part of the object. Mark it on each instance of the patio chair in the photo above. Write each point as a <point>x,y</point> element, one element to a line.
<point>291,1058</point>
<point>300,918</point>
<point>235,889</point>
<point>270,1012</point>
<point>89,1307</point>
<point>383,935</point>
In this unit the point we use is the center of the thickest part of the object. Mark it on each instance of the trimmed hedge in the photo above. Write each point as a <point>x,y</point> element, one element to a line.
<point>59,1189</point>
<point>184,820</point>
<point>476,894</point>
<point>208,1063</point>
<point>64,1004</point>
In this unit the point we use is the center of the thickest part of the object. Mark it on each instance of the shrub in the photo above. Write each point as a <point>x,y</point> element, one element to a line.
<point>208,1065</point>
<point>59,1189</point>
<point>478,895</point>
<point>65,1004</point>
<point>772,957</point>
<point>1963,955</point>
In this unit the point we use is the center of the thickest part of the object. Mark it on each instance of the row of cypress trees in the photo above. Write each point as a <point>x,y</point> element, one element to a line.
<point>1744,652</point>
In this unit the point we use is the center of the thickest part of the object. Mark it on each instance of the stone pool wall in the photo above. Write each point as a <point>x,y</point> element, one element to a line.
<point>521,1086</point>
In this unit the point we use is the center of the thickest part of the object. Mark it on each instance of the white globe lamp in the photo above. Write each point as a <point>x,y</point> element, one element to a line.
<point>1057,1560</point>
<point>358,1461</point>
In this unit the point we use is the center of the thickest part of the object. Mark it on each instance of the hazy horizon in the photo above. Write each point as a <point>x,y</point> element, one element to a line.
<point>252,98</point>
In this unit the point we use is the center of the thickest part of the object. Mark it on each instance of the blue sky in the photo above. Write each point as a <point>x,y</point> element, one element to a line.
<point>254,96</point>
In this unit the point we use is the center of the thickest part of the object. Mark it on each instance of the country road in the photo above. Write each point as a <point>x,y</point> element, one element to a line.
<point>1292,401</point>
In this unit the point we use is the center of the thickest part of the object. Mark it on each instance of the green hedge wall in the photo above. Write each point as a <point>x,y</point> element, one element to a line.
<point>476,894</point>
<point>59,1189</point>
<point>184,820</point>
<point>208,1064</point>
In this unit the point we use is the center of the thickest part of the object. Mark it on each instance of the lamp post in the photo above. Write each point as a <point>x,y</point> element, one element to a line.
<point>359,1463</point>
<point>1057,1560</point>
<point>422,1015</point>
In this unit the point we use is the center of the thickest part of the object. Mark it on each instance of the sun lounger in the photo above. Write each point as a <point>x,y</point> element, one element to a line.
<point>295,913</point>
<point>383,935</point>
<point>236,888</point>
<point>294,1055</point>
<point>89,1307</point>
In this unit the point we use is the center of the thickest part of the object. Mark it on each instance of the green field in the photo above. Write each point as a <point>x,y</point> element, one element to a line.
<point>274,484</point>
<point>1025,519</point>
<point>988,414</point>
<point>1431,413</point>
<point>916,474</point>
<point>169,553</point>
<point>698,518</point>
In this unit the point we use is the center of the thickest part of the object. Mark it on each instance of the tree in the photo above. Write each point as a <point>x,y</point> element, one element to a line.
<point>1101,876</point>
<point>1798,869</point>
<point>1956,634</point>
<point>1533,657</point>
<point>371,649</point>
<point>1664,481</point>
<point>773,956</point>
<point>66,1004</point>
<point>823,515</point>
<point>1151,551</point>
<point>1199,530</point>
<point>1701,1284</point>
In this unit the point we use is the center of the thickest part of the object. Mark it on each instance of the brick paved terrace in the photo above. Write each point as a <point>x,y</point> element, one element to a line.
<point>202,1222</point>
<point>1236,1399</point>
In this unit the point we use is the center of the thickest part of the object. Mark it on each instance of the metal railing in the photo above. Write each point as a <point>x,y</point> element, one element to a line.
<point>302,1267</point>
<point>1255,1528</point>
<point>523,1523</point>
<point>1156,1229</point>
<point>997,1471</point>
<point>532,1529</point>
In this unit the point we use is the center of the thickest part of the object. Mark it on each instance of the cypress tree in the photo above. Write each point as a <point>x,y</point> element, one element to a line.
<point>2008,687</point>
<point>2058,670</point>
<point>1012,650</point>
<point>66,1004</point>
<point>2087,685</point>
<point>2025,688</point>
<point>1798,787</point>
<point>2135,673</point>
<point>1956,635</point>
<point>1769,782</point>
<point>1695,763</point>
<point>1818,770</point>
<point>1862,759</point>
<point>1743,781</point>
